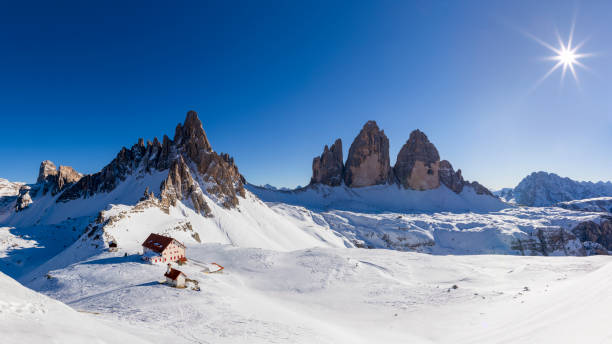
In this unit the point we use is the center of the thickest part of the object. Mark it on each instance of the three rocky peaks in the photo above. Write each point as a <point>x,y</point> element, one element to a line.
<point>417,167</point>
<point>188,158</point>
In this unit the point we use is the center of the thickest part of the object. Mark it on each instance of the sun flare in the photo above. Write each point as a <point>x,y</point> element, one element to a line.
<point>567,56</point>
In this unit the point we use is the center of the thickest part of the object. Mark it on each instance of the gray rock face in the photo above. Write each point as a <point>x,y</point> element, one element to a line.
<point>368,158</point>
<point>328,168</point>
<point>453,180</point>
<point>418,163</point>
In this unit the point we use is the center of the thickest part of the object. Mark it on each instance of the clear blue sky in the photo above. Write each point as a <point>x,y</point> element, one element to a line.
<point>276,81</point>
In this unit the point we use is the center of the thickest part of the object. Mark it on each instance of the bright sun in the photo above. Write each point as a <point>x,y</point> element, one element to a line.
<point>566,56</point>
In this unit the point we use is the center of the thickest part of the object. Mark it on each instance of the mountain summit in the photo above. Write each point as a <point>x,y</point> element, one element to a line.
<point>191,168</point>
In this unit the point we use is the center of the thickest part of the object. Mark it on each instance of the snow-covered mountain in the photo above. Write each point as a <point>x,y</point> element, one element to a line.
<point>179,187</point>
<point>541,189</point>
<point>294,270</point>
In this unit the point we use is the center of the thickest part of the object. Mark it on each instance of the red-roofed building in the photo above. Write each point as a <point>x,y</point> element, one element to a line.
<point>162,249</point>
<point>175,278</point>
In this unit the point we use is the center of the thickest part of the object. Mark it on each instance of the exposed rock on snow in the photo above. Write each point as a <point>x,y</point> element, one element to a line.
<point>368,163</point>
<point>545,189</point>
<point>9,192</point>
<point>418,163</point>
<point>515,230</point>
<point>328,168</point>
<point>453,180</point>
<point>600,233</point>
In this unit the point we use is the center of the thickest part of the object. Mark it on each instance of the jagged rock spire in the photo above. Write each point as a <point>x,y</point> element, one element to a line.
<point>191,134</point>
<point>418,163</point>
<point>417,167</point>
<point>47,168</point>
<point>368,158</point>
<point>328,168</point>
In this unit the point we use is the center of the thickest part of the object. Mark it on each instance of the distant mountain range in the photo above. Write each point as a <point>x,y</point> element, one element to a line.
<point>541,189</point>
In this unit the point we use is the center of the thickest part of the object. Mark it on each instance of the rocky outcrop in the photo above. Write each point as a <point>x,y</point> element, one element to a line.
<point>368,158</point>
<point>328,168</point>
<point>453,180</point>
<point>47,169</point>
<point>55,180</point>
<point>590,231</point>
<point>23,199</point>
<point>479,189</point>
<point>418,163</point>
<point>180,185</point>
<point>549,241</point>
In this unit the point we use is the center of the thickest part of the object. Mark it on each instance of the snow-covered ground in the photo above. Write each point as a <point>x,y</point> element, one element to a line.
<point>331,295</point>
<point>442,233</point>
<point>381,198</point>
<point>293,275</point>
<point>29,317</point>
<point>8,188</point>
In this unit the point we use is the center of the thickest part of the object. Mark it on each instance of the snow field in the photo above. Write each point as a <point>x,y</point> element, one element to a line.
<point>327,295</point>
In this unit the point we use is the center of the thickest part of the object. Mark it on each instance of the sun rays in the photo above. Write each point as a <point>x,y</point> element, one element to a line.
<point>567,56</point>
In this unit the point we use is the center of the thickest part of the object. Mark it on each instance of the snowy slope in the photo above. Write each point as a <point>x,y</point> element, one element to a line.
<point>251,224</point>
<point>45,210</point>
<point>29,317</point>
<point>8,195</point>
<point>446,232</point>
<point>347,295</point>
<point>546,189</point>
<point>380,198</point>
<point>8,188</point>
<point>602,204</point>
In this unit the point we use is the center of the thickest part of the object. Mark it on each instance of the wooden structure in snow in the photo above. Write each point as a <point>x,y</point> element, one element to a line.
<point>162,249</point>
<point>175,278</point>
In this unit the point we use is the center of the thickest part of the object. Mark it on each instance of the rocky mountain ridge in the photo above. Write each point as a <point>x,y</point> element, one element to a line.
<point>193,168</point>
<point>418,165</point>
<point>541,189</point>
